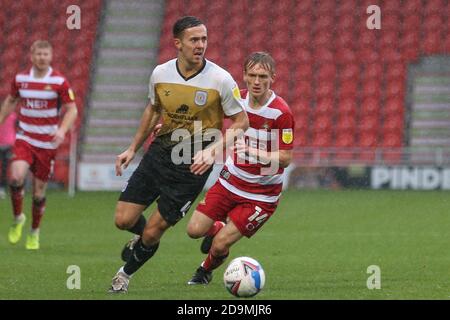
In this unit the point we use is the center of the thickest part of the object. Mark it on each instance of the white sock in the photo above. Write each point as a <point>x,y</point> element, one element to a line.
<point>19,218</point>
<point>34,231</point>
<point>122,271</point>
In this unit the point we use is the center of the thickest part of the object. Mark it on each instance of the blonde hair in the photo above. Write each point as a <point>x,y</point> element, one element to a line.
<point>40,44</point>
<point>263,58</point>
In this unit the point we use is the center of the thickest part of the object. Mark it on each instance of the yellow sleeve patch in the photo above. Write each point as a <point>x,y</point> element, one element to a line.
<point>236,93</point>
<point>287,136</point>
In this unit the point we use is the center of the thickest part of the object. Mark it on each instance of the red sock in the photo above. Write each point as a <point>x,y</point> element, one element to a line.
<point>215,228</point>
<point>17,194</point>
<point>38,212</point>
<point>212,262</point>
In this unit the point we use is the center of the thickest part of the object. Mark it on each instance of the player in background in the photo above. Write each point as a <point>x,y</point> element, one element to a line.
<point>245,196</point>
<point>42,92</point>
<point>182,91</point>
<point>7,138</point>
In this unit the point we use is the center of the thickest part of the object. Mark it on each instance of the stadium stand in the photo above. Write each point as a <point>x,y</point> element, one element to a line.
<point>127,52</point>
<point>345,83</point>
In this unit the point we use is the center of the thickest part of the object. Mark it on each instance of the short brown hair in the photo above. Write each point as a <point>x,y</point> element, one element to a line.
<point>185,23</point>
<point>262,58</point>
<point>40,44</point>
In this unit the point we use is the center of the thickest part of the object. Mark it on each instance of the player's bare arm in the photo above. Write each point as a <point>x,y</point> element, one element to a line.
<point>68,120</point>
<point>282,157</point>
<point>149,120</point>
<point>203,160</point>
<point>7,107</point>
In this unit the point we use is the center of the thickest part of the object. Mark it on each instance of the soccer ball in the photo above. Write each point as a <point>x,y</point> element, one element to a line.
<point>244,277</point>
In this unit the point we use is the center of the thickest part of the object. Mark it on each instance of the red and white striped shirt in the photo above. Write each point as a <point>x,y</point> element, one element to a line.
<point>39,109</point>
<point>273,122</point>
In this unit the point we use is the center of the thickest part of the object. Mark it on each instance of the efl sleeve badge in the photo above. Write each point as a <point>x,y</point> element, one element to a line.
<point>287,136</point>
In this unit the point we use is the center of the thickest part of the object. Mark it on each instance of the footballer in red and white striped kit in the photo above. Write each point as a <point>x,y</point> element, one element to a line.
<point>41,92</point>
<point>249,187</point>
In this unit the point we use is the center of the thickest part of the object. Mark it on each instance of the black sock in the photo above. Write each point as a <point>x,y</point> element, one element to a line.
<point>139,226</point>
<point>139,256</point>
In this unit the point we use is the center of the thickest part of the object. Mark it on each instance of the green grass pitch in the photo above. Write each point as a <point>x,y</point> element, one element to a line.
<point>318,245</point>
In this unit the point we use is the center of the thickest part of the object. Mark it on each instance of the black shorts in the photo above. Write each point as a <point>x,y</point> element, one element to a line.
<point>157,176</point>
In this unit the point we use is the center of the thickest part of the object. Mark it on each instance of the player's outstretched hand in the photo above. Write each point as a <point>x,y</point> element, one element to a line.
<point>124,160</point>
<point>203,160</point>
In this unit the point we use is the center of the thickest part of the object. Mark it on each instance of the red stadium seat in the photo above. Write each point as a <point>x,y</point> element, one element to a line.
<point>346,22</point>
<point>411,8</point>
<point>346,124</point>
<point>323,23</point>
<point>434,7</point>
<point>344,40</point>
<point>348,89</point>
<point>368,55</point>
<point>391,55</point>
<point>303,72</point>
<point>349,72</point>
<point>322,39</point>
<point>445,47</point>
<point>368,123</point>
<point>367,38</point>
<point>372,71</point>
<point>345,56</point>
<point>323,123</point>
<point>345,8</point>
<point>433,23</point>
<point>391,7</point>
<point>300,138</point>
<point>368,139</point>
<point>302,89</point>
<point>324,55</point>
<point>303,22</point>
<point>396,72</point>
<point>389,38</point>
<point>325,90</point>
<point>322,139</point>
<point>370,107</point>
<point>324,107</point>
<point>392,140</point>
<point>345,139</point>
<point>301,123</point>
<point>326,72</point>
<point>390,21</point>
<point>431,44</point>
<point>410,53</point>
<point>395,89</point>
<point>325,8</point>
<point>301,56</point>
<point>393,106</point>
<point>347,107</point>
<point>301,106</point>
<point>303,7</point>
<point>393,124</point>
<point>371,88</point>
<point>281,88</point>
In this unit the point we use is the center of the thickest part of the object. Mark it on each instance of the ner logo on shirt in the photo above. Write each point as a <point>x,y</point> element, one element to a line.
<point>37,104</point>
